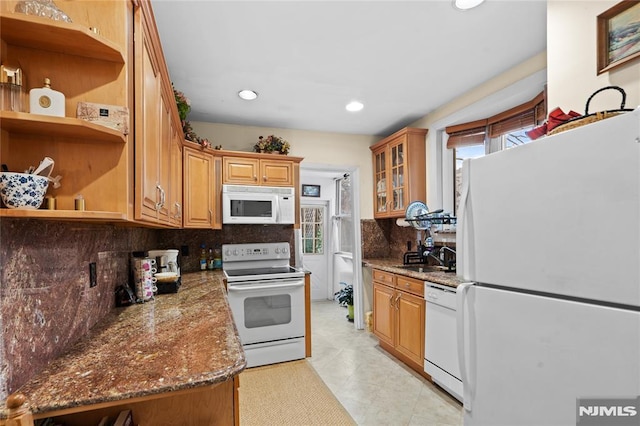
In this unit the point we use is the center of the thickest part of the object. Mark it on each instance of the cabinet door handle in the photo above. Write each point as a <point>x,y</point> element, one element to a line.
<point>255,178</point>
<point>264,178</point>
<point>398,301</point>
<point>210,216</point>
<point>160,203</point>
<point>178,214</point>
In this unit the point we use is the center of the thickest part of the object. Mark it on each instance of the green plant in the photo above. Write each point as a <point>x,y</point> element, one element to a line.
<point>345,296</point>
<point>184,108</point>
<point>183,103</point>
<point>272,144</point>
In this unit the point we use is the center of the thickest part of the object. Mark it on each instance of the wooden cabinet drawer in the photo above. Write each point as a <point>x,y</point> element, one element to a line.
<point>384,277</point>
<point>410,285</point>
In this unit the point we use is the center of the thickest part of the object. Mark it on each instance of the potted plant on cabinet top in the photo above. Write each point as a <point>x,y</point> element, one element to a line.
<point>272,144</point>
<point>345,298</point>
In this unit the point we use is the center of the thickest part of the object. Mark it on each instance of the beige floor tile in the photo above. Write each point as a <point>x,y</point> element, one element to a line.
<point>372,385</point>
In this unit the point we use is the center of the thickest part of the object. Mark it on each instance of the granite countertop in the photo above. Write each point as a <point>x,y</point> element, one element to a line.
<point>434,274</point>
<point>177,341</point>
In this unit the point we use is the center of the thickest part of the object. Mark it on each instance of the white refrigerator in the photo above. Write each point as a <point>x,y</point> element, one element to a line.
<point>548,239</point>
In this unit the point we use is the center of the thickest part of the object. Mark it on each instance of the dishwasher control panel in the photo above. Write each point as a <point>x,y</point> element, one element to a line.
<point>440,294</point>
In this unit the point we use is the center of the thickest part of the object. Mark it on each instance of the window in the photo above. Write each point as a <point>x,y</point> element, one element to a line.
<point>344,217</point>
<point>313,230</point>
<point>501,131</point>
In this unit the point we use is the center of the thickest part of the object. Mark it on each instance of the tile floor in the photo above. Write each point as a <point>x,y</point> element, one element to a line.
<point>372,385</point>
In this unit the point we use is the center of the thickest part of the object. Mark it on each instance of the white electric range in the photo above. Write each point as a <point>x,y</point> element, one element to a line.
<point>266,296</point>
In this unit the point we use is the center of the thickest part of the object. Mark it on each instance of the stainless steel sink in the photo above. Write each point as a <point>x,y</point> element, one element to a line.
<point>421,268</point>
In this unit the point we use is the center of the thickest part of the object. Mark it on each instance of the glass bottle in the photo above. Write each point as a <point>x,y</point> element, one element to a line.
<point>203,258</point>
<point>210,259</point>
<point>12,93</point>
<point>217,258</point>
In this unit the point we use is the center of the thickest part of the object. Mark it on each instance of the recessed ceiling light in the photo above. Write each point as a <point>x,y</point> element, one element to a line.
<point>466,4</point>
<point>248,95</point>
<point>354,106</point>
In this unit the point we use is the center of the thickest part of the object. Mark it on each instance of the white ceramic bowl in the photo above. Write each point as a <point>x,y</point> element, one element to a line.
<point>22,190</point>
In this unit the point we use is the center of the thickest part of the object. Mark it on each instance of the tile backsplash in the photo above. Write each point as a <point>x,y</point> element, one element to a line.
<point>46,303</point>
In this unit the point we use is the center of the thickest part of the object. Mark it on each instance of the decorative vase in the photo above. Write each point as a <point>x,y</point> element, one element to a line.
<point>350,310</point>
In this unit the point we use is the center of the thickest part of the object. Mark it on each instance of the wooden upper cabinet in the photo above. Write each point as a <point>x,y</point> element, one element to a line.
<point>176,209</point>
<point>249,168</point>
<point>399,172</point>
<point>158,177</point>
<point>257,171</point>
<point>240,171</point>
<point>93,160</point>
<point>276,172</point>
<point>201,189</point>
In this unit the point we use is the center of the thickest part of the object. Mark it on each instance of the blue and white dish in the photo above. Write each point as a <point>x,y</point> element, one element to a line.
<point>23,190</point>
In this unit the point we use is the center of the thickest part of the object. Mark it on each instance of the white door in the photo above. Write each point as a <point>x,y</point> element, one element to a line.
<point>315,247</point>
<point>528,359</point>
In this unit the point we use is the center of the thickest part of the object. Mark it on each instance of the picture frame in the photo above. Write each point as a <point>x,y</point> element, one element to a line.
<point>618,32</point>
<point>310,190</point>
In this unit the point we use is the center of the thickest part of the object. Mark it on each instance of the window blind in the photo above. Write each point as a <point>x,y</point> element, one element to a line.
<point>525,115</point>
<point>528,114</point>
<point>466,134</point>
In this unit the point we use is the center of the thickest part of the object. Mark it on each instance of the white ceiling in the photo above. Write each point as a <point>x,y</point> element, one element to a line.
<point>307,59</point>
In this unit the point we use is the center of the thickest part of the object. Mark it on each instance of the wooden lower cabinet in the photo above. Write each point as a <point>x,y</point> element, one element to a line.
<point>206,405</point>
<point>399,317</point>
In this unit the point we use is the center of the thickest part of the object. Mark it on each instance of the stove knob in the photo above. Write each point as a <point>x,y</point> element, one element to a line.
<point>284,250</point>
<point>227,252</point>
<point>235,252</point>
<point>277,250</point>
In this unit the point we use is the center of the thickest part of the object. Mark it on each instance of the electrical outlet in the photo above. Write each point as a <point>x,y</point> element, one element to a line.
<point>184,250</point>
<point>93,275</point>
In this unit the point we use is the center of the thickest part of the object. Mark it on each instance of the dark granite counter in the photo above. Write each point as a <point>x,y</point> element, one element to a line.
<point>434,274</point>
<point>177,341</point>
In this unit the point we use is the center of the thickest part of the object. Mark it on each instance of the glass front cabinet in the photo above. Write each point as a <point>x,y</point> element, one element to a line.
<point>399,172</point>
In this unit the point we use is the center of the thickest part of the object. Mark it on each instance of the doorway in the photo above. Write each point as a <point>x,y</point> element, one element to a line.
<point>315,246</point>
<point>339,247</point>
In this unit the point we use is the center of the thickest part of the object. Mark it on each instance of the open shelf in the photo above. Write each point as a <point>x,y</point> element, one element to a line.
<point>62,37</point>
<point>22,122</point>
<point>64,214</point>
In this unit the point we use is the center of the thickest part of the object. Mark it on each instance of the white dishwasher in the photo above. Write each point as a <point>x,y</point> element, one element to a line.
<point>441,343</point>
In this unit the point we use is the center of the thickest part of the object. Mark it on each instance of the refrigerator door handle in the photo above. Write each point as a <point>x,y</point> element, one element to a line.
<point>463,235</point>
<point>464,374</point>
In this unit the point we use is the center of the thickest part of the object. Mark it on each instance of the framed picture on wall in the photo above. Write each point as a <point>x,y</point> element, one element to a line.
<point>310,190</point>
<point>618,35</point>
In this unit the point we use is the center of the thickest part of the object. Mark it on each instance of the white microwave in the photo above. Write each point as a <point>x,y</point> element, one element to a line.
<point>245,204</point>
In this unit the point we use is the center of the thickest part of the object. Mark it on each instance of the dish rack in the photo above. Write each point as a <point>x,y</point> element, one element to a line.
<point>433,218</point>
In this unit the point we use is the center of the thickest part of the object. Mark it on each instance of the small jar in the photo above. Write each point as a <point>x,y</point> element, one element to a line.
<point>12,93</point>
<point>217,258</point>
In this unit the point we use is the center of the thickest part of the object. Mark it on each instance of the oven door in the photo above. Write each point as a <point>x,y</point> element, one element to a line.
<point>249,208</point>
<point>268,310</point>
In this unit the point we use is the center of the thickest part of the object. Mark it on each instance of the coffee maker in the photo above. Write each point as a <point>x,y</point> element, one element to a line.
<point>168,270</point>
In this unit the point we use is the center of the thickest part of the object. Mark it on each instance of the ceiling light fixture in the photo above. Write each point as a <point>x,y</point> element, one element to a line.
<point>354,106</point>
<point>248,95</point>
<point>466,4</point>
